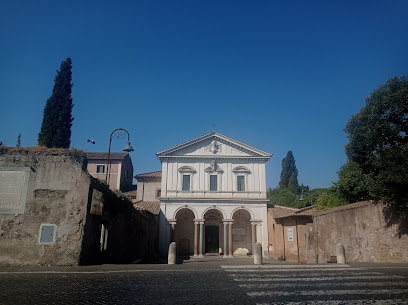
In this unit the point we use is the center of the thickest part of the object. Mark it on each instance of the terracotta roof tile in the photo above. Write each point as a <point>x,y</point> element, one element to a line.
<point>307,211</point>
<point>157,174</point>
<point>281,211</point>
<point>151,206</point>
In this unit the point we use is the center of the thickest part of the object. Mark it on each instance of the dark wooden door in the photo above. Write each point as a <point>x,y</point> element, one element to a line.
<point>212,239</point>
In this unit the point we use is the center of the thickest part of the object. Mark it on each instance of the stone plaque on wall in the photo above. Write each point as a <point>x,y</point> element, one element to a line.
<point>238,231</point>
<point>13,189</point>
<point>97,203</point>
<point>238,237</point>
<point>290,234</point>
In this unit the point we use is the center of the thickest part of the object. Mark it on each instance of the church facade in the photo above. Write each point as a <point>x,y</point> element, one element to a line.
<point>213,197</point>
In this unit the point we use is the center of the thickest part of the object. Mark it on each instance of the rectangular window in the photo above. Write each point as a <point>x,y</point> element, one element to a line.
<point>213,182</point>
<point>100,168</point>
<point>186,183</point>
<point>47,234</point>
<point>158,193</point>
<point>241,183</point>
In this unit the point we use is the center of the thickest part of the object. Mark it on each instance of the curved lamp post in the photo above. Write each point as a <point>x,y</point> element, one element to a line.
<point>128,148</point>
<point>301,194</point>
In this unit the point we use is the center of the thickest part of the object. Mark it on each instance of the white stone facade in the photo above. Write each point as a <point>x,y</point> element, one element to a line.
<point>213,197</point>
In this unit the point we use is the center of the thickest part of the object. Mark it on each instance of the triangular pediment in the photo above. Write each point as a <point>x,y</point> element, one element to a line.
<point>213,145</point>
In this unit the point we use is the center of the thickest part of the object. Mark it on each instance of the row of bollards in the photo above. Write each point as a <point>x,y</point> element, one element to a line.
<point>340,251</point>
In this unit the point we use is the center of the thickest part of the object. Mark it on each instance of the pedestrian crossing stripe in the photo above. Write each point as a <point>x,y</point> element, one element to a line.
<point>293,270</point>
<point>341,302</point>
<point>325,285</point>
<point>298,293</point>
<point>338,266</point>
<point>316,279</point>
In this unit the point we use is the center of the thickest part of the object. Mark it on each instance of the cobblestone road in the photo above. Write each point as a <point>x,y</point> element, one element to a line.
<point>207,281</point>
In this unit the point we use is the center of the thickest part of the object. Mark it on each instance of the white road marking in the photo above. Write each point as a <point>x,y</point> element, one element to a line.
<point>340,266</point>
<point>342,302</point>
<point>326,292</point>
<point>323,285</point>
<point>313,279</point>
<point>294,270</point>
<point>291,275</point>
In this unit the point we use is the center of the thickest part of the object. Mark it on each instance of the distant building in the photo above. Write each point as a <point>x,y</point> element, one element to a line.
<point>148,192</point>
<point>149,186</point>
<point>121,169</point>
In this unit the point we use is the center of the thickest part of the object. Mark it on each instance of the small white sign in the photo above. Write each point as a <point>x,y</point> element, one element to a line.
<point>290,234</point>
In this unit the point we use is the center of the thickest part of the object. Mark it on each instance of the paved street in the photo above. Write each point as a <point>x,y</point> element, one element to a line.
<point>207,281</point>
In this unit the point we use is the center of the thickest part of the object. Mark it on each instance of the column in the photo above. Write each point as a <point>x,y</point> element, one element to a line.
<point>253,226</point>
<point>195,239</point>
<point>230,239</point>
<point>201,239</point>
<point>172,231</point>
<point>225,240</point>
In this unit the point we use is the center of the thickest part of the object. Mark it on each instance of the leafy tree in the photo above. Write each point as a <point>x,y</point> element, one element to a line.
<point>353,183</point>
<point>57,120</point>
<point>18,140</point>
<point>287,197</point>
<point>283,196</point>
<point>289,173</point>
<point>378,142</point>
<point>328,200</point>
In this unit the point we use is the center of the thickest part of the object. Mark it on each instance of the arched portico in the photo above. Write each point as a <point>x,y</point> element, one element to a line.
<point>213,231</point>
<point>242,230</point>
<point>183,231</point>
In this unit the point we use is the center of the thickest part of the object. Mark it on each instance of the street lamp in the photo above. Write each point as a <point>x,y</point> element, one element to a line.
<point>128,148</point>
<point>301,194</point>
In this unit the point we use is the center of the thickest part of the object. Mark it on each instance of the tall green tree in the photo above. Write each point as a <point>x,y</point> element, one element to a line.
<point>18,140</point>
<point>57,120</point>
<point>289,174</point>
<point>378,142</point>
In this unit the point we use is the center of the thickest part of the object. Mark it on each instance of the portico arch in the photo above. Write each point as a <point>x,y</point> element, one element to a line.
<point>223,214</point>
<point>185,207</point>
<point>184,231</point>
<point>242,232</point>
<point>243,208</point>
<point>213,221</point>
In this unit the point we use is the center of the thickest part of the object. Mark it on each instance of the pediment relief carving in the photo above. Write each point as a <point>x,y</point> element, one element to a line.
<point>241,170</point>
<point>214,147</point>
<point>213,168</point>
<point>187,169</point>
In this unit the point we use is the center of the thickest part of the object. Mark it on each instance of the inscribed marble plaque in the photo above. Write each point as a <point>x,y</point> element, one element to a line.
<point>290,234</point>
<point>238,237</point>
<point>13,189</point>
<point>97,203</point>
<point>238,231</point>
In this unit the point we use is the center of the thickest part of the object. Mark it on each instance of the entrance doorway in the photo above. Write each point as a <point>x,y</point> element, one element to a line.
<point>212,239</point>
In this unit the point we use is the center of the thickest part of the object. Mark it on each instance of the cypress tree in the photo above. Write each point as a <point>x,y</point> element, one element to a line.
<point>57,120</point>
<point>18,140</point>
<point>289,172</point>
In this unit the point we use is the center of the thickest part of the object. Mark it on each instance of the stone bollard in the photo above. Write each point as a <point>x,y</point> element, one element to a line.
<point>341,254</point>
<point>258,254</point>
<point>172,253</point>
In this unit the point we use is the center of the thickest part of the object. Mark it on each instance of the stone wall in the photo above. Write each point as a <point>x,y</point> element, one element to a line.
<point>52,211</point>
<point>369,232</point>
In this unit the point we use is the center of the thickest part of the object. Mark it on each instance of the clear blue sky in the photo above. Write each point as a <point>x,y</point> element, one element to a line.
<point>277,75</point>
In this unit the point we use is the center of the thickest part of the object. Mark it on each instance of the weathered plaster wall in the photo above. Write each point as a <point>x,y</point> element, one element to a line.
<point>61,192</point>
<point>364,232</point>
<point>57,194</point>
